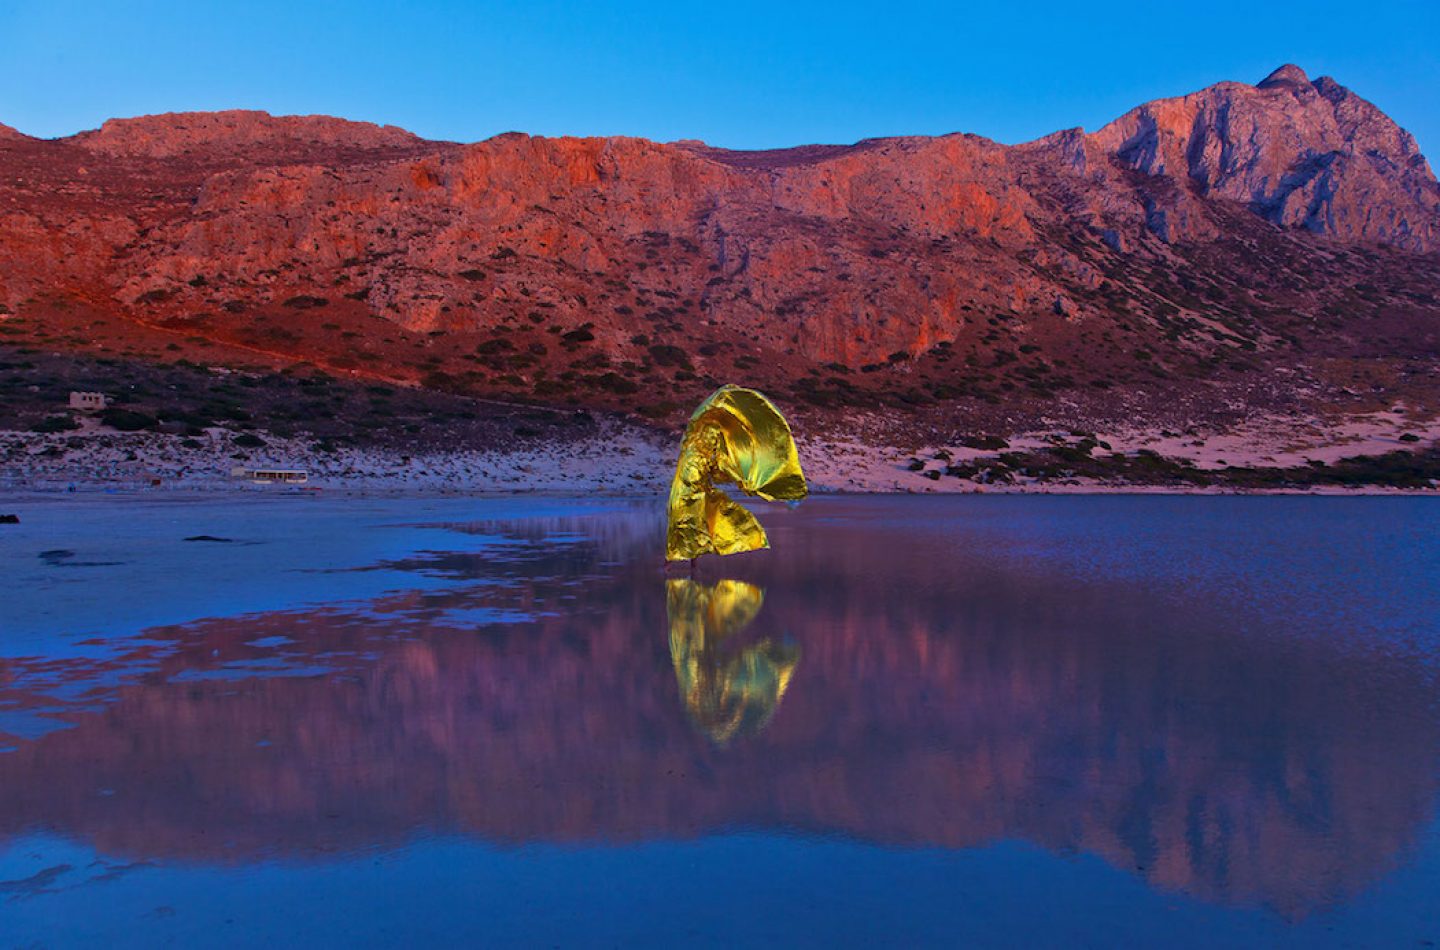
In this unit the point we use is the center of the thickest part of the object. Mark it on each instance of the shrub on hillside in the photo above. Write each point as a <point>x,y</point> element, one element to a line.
<point>665,354</point>
<point>306,302</point>
<point>127,420</point>
<point>55,424</point>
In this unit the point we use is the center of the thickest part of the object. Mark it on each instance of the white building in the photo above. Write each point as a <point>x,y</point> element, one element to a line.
<point>89,402</point>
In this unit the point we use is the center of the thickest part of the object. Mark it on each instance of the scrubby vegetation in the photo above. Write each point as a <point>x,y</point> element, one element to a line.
<point>188,399</point>
<point>1400,469</point>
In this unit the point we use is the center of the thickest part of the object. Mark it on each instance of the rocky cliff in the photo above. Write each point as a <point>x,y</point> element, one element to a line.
<point>1188,244</point>
<point>1298,153</point>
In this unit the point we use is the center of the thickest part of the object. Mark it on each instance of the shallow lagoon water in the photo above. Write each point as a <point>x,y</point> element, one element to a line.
<point>978,720</point>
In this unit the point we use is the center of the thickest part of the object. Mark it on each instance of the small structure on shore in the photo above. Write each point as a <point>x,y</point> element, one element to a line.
<point>89,402</point>
<point>272,476</point>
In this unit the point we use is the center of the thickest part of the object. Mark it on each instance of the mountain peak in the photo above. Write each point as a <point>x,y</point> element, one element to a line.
<point>1289,74</point>
<point>1298,153</point>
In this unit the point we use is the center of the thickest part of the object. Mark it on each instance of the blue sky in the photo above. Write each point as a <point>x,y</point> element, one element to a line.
<point>738,74</point>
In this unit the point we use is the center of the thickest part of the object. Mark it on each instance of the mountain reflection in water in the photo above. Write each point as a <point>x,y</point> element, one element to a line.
<point>961,685</point>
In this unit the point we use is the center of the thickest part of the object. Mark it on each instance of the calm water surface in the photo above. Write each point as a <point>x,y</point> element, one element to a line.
<point>984,721</point>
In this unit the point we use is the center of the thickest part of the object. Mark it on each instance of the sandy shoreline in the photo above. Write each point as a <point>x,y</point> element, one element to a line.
<point>616,461</point>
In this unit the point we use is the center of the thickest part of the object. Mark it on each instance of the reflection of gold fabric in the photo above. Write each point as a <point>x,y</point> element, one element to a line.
<point>737,436</point>
<point>732,693</point>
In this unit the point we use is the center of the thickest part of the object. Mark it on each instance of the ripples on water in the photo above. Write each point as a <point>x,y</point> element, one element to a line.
<point>1002,720</point>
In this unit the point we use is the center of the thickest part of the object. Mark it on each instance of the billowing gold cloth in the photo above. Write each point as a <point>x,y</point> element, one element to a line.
<point>737,436</point>
<point>726,693</point>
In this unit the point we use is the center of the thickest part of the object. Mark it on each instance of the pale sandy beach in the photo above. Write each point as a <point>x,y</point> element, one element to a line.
<point>627,459</point>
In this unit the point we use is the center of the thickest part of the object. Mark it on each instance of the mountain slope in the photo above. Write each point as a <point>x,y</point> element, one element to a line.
<point>1277,243</point>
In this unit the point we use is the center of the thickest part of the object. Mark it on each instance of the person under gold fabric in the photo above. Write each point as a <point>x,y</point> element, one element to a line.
<point>736,436</point>
<point>727,693</point>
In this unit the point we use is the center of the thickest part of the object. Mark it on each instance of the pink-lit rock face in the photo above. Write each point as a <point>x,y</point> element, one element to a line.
<point>208,222</point>
<point>1301,153</point>
<point>242,133</point>
<point>943,696</point>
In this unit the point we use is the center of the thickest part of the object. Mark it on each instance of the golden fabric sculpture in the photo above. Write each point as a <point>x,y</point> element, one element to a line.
<point>737,435</point>
<point>726,692</point>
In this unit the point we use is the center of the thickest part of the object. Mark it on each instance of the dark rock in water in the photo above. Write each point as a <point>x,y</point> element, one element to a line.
<point>60,557</point>
<point>210,537</point>
<point>9,519</point>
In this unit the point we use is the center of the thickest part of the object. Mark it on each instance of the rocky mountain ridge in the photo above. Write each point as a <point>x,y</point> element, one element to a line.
<point>1196,242</point>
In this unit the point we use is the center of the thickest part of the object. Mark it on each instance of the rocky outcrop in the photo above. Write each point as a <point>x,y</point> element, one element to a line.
<point>238,131</point>
<point>1299,153</point>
